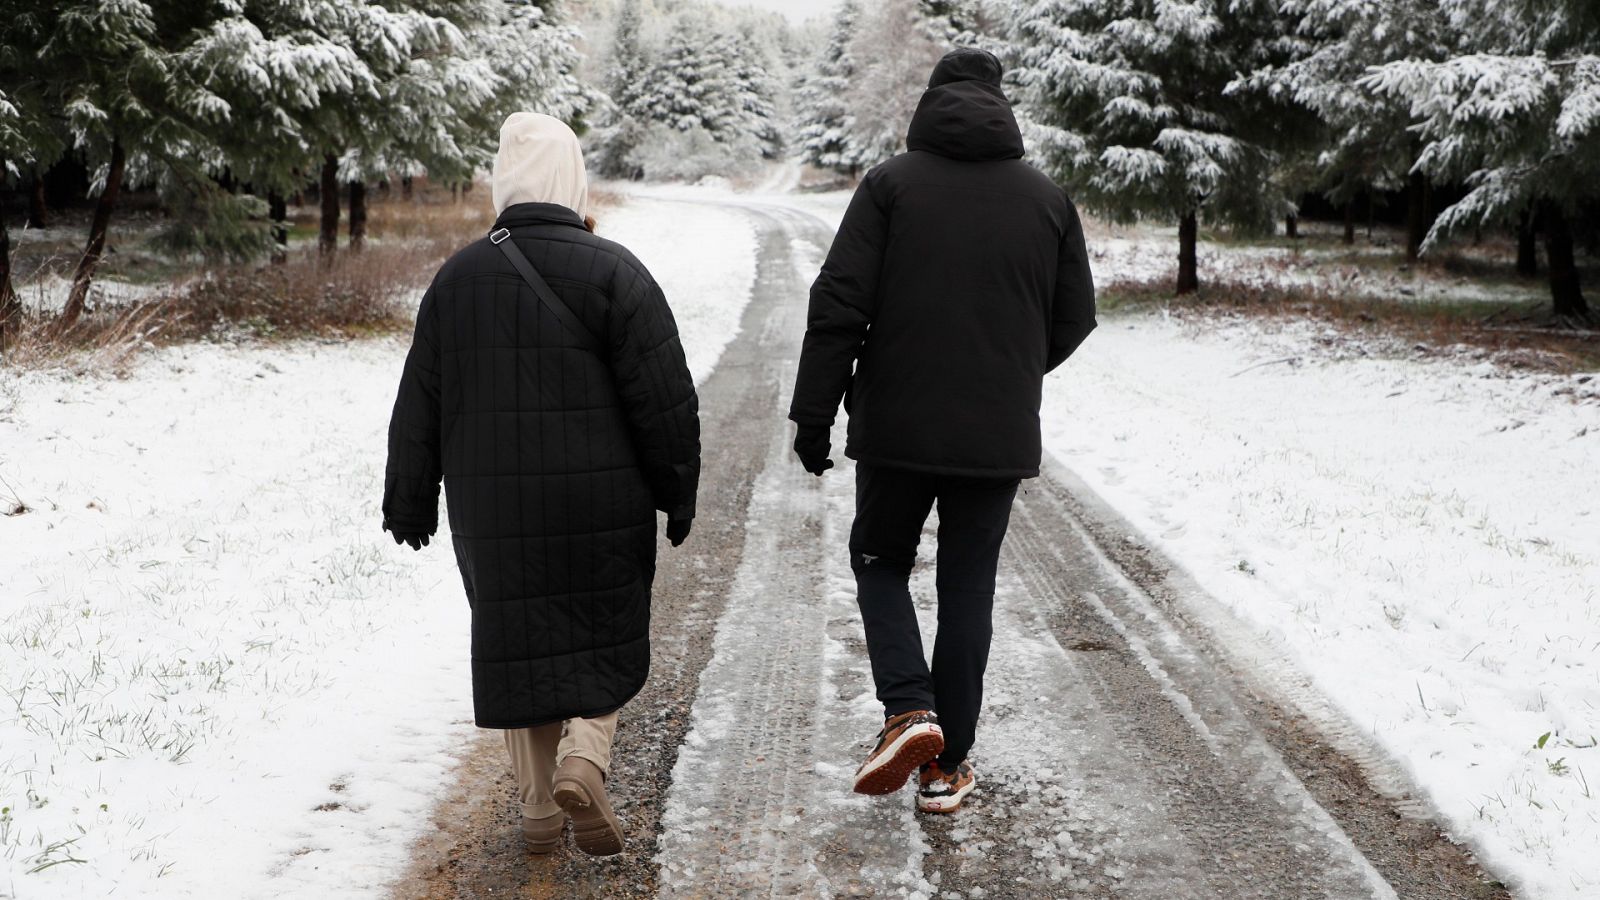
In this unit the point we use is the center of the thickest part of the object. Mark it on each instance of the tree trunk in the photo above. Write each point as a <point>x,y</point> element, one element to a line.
<point>1527,246</point>
<point>405,187</point>
<point>358,214</point>
<point>328,238</point>
<point>1188,268</point>
<point>79,296</point>
<point>1417,220</point>
<point>9,306</point>
<point>278,212</point>
<point>1291,226</point>
<point>1350,222</point>
<point>1565,288</point>
<point>38,211</point>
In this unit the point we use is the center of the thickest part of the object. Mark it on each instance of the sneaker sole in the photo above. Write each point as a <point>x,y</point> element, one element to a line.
<point>595,828</point>
<point>895,765</point>
<point>944,806</point>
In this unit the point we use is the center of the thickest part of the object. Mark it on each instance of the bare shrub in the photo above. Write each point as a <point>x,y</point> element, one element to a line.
<point>351,294</point>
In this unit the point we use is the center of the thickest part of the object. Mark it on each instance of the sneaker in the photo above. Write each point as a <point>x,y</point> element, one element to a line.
<point>580,789</point>
<point>906,742</point>
<point>942,792</point>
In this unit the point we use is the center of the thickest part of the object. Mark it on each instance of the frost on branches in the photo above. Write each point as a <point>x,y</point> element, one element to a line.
<point>824,117</point>
<point>265,93</point>
<point>1517,120</point>
<point>700,101</point>
<point>1139,113</point>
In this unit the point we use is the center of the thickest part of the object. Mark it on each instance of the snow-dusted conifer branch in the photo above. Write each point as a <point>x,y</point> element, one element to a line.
<point>1141,112</point>
<point>1517,120</point>
<point>235,101</point>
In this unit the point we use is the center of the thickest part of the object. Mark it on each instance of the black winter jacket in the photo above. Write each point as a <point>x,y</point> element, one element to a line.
<point>958,278</point>
<point>554,461</point>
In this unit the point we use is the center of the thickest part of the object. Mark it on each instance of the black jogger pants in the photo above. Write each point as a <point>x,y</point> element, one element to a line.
<point>891,507</point>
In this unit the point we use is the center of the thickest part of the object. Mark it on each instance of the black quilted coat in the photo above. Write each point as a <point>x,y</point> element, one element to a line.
<point>554,462</point>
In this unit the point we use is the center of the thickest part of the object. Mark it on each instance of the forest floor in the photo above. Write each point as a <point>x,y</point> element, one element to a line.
<point>1291,614</point>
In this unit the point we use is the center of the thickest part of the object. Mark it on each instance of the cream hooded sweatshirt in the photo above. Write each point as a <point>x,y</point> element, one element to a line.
<point>539,161</point>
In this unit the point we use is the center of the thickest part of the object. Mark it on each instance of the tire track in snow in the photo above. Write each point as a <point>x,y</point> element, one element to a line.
<point>760,803</point>
<point>1224,817</point>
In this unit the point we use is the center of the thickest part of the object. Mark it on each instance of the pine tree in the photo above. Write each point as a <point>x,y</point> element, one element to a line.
<point>825,120</point>
<point>29,137</point>
<point>1368,149</point>
<point>1517,119</point>
<point>757,92</point>
<point>130,107</point>
<point>624,84</point>
<point>955,23</point>
<point>898,52</point>
<point>1141,115</point>
<point>700,82</point>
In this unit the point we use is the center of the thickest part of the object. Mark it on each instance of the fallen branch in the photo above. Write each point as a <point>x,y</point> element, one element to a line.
<point>1292,360</point>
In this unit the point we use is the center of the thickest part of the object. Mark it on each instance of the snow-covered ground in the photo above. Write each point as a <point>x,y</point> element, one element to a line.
<point>220,677</point>
<point>1421,537</point>
<point>1150,253</point>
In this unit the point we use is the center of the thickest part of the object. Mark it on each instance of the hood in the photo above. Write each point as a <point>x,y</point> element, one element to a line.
<point>967,64</point>
<point>965,114</point>
<point>540,161</point>
<point>967,120</point>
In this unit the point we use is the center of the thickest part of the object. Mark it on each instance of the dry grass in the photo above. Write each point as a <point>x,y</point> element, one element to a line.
<point>350,294</point>
<point>1515,335</point>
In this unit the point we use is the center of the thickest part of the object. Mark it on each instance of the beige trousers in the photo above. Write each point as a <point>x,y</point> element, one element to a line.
<point>536,752</point>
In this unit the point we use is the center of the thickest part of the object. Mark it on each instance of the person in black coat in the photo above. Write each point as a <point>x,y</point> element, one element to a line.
<point>559,425</point>
<point>958,279</point>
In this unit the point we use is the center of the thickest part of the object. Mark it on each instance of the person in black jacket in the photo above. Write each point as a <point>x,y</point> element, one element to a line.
<point>560,425</point>
<point>958,278</point>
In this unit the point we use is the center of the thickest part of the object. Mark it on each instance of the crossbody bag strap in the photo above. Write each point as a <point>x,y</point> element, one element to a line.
<point>546,295</point>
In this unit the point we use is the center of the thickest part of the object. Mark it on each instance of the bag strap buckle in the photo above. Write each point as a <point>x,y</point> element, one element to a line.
<point>495,237</point>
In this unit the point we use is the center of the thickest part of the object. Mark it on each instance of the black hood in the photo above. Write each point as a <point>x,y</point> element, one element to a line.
<point>968,120</point>
<point>965,114</point>
<point>967,64</point>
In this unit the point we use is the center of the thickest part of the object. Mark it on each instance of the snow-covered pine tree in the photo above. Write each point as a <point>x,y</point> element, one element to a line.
<point>824,118</point>
<point>30,140</point>
<point>624,84</point>
<point>274,70</point>
<point>129,108</point>
<point>1368,148</point>
<point>758,93</point>
<point>700,81</point>
<point>894,52</point>
<point>1517,119</point>
<point>956,23</point>
<point>1135,105</point>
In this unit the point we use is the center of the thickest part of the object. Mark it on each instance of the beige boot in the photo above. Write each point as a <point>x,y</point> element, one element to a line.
<point>580,788</point>
<point>544,835</point>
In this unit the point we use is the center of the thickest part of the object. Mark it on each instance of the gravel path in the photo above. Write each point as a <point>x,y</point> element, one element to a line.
<point>1124,753</point>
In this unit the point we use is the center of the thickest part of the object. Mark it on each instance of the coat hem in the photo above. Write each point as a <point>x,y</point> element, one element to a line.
<point>583,714</point>
<point>936,469</point>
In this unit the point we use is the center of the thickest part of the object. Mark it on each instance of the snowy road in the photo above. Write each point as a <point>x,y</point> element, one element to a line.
<point>1125,752</point>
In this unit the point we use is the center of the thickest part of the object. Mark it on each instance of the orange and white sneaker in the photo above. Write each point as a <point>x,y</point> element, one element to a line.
<point>906,742</point>
<point>940,791</point>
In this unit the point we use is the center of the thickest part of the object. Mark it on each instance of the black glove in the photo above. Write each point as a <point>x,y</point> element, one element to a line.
<point>417,541</point>
<point>678,530</point>
<point>812,444</point>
